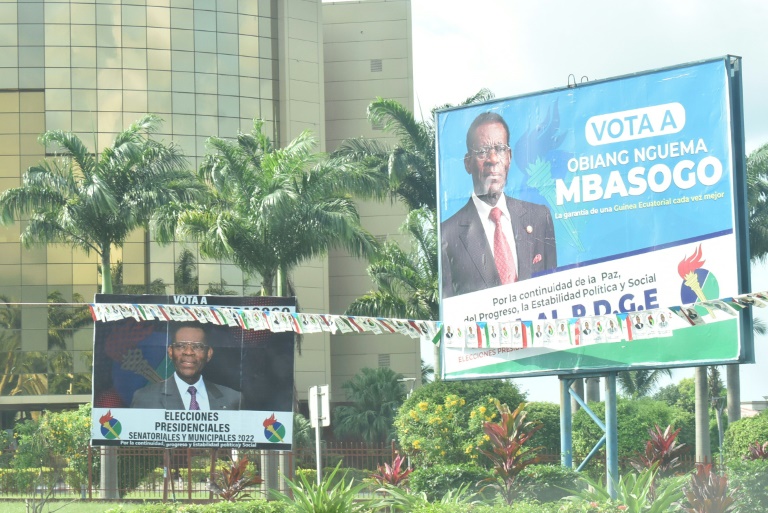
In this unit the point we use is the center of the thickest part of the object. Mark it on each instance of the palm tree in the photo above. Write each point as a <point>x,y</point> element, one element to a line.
<point>409,165</point>
<point>757,205</point>
<point>641,383</point>
<point>269,209</point>
<point>91,201</point>
<point>376,394</point>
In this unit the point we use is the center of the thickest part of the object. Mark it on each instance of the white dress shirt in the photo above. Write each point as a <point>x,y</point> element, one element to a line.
<point>489,227</point>
<point>186,397</point>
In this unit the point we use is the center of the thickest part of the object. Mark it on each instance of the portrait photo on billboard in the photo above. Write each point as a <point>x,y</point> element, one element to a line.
<point>605,198</point>
<point>191,383</point>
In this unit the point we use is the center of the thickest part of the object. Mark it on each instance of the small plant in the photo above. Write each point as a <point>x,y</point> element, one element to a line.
<point>231,481</point>
<point>708,492</point>
<point>508,453</point>
<point>757,451</point>
<point>330,496</point>
<point>662,449</point>
<point>399,499</point>
<point>392,475</point>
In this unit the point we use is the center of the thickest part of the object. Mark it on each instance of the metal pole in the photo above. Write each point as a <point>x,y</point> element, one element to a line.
<point>317,450</point>
<point>566,424</point>
<point>611,435</point>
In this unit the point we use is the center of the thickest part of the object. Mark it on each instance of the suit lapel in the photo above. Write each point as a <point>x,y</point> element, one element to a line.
<point>171,396</point>
<point>475,242</point>
<point>523,243</point>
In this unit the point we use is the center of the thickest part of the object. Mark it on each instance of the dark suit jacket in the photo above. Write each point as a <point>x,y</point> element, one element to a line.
<point>165,395</point>
<point>467,259</point>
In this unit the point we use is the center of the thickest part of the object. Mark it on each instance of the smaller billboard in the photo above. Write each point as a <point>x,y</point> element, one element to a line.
<point>192,383</point>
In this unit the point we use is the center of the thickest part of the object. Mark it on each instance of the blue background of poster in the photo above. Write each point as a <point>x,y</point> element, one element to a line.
<point>550,126</point>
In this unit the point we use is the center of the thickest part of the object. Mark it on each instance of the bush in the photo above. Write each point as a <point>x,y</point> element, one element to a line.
<point>245,506</point>
<point>437,480</point>
<point>441,423</point>
<point>750,478</point>
<point>518,507</point>
<point>635,419</point>
<point>547,483</point>
<point>355,475</point>
<point>744,432</point>
<point>548,414</point>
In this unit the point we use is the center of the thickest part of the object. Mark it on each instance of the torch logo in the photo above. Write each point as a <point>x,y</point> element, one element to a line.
<point>274,431</point>
<point>698,283</point>
<point>110,426</point>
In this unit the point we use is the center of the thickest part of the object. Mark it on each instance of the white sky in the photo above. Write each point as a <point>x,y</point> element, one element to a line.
<point>516,47</point>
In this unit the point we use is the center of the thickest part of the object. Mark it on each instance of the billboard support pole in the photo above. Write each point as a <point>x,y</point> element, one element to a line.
<point>566,424</point>
<point>611,435</point>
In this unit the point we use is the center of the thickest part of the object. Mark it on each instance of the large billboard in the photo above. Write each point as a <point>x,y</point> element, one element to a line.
<point>575,222</point>
<point>191,376</point>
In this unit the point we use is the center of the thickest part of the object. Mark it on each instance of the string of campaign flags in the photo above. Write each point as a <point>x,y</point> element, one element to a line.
<point>575,331</point>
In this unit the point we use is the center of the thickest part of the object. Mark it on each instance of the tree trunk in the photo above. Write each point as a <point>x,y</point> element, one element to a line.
<point>703,450</point>
<point>106,272</point>
<point>733,387</point>
<point>593,390</point>
<point>267,281</point>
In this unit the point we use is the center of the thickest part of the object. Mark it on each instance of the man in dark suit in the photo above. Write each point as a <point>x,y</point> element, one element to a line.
<point>186,389</point>
<point>493,240</point>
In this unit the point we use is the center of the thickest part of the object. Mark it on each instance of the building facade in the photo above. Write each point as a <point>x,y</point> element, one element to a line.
<point>207,67</point>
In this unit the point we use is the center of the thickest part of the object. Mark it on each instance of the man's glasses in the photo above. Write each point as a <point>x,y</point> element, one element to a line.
<point>484,152</point>
<point>194,346</point>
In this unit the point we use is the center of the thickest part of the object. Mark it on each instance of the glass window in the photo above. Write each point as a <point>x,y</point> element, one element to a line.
<point>104,139</point>
<point>182,61</point>
<point>135,79</point>
<point>83,13</point>
<point>9,12</point>
<point>31,56</point>
<point>159,38</point>
<point>249,87</point>
<point>134,15</point>
<point>55,35</point>
<point>9,144</point>
<point>84,274</point>
<point>229,106</point>
<point>228,127</point>
<point>31,78</point>
<point>32,123</point>
<point>32,35</point>
<point>84,78</point>
<point>205,41</point>
<point>57,56</point>
<point>226,43</point>
<point>84,99</point>
<point>135,37</point>
<point>159,102</point>
<point>134,58</point>
<point>184,103</point>
<point>265,48</point>
<point>181,18</point>
<point>227,64</point>
<point>56,13</point>
<point>30,12</point>
<point>83,57</point>
<point>135,101</point>
<point>108,35</point>
<point>32,101</point>
<point>108,14</point>
<point>229,85</point>
<point>84,123</point>
<point>205,104</point>
<point>248,7</point>
<point>183,82</point>
<point>249,108</point>
<point>226,5</point>
<point>159,59</point>
<point>59,274</point>
<point>249,67</point>
<point>57,77</point>
<point>109,57</point>
<point>184,125</point>
<point>159,80</point>
<point>205,62</point>
<point>158,17</point>
<point>33,274</point>
<point>8,33</point>
<point>248,25</point>
<point>265,8</point>
<point>266,27</point>
<point>266,88</point>
<point>206,125</point>
<point>83,35</point>
<point>109,79</point>
<point>29,145</point>
<point>226,22</point>
<point>249,46</point>
<point>205,20</point>
<point>58,99</point>
<point>182,39</point>
<point>9,58</point>
<point>109,101</point>
<point>205,83</point>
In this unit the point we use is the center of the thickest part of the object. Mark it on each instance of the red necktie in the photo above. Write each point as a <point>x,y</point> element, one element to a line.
<point>193,405</point>
<point>502,253</point>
